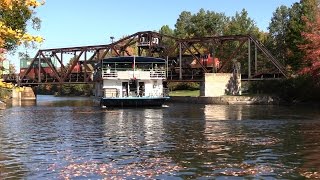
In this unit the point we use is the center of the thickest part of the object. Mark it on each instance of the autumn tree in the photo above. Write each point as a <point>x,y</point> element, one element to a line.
<point>285,30</point>
<point>312,46</point>
<point>14,16</point>
<point>296,25</point>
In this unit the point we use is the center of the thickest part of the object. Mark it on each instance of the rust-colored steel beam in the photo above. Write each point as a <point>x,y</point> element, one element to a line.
<point>104,53</point>
<point>30,67</point>
<point>232,56</point>
<point>55,72</point>
<point>63,69</point>
<point>170,51</point>
<point>74,63</point>
<point>119,47</point>
<point>195,57</point>
<point>198,60</point>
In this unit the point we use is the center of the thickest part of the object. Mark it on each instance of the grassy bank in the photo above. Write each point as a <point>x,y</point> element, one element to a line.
<point>192,93</point>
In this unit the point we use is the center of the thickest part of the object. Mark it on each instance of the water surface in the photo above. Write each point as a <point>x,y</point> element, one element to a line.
<point>63,138</point>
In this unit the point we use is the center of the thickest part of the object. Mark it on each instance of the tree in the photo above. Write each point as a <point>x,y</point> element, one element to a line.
<point>14,16</point>
<point>207,23</point>
<point>182,25</point>
<point>166,30</point>
<point>296,25</point>
<point>277,33</point>
<point>241,23</point>
<point>168,43</point>
<point>285,30</point>
<point>312,46</point>
<point>202,24</point>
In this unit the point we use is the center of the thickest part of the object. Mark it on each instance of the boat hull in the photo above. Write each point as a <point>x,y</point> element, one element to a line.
<point>133,101</point>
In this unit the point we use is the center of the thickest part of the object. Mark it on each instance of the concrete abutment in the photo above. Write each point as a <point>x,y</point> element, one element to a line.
<point>220,84</point>
<point>24,93</point>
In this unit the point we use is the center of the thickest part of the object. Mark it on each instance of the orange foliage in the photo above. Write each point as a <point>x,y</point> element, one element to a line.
<point>312,47</point>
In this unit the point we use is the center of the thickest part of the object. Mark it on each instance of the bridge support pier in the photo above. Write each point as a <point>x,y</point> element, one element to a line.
<point>25,93</point>
<point>219,84</point>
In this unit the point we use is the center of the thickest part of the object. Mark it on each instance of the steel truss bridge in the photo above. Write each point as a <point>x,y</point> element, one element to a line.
<point>257,63</point>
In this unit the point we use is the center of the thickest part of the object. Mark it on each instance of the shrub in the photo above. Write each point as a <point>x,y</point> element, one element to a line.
<point>173,86</point>
<point>297,89</point>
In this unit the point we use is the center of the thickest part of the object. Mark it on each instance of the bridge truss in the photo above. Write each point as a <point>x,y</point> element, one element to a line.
<point>76,64</point>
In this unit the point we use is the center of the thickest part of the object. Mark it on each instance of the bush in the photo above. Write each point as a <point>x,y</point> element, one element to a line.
<point>298,89</point>
<point>173,86</point>
<point>76,90</point>
<point>66,90</point>
<point>5,93</point>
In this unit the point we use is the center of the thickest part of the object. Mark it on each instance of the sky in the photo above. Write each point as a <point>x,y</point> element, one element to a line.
<point>67,23</point>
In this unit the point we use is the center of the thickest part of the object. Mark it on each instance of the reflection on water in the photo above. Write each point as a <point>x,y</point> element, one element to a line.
<point>222,112</point>
<point>63,138</point>
<point>22,103</point>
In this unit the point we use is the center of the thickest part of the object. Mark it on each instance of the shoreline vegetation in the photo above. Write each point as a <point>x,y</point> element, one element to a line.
<point>192,95</point>
<point>284,92</point>
<point>296,90</point>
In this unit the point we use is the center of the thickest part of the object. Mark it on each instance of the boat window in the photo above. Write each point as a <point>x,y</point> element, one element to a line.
<point>143,66</point>
<point>124,66</point>
<point>158,66</point>
<point>109,66</point>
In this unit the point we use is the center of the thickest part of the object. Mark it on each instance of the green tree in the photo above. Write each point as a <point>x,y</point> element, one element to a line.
<point>183,24</point>
<point>207,23</point>
<point>168,43</point>
<point>241,23</point>
<point>277,43</point>
<point>166,30</point>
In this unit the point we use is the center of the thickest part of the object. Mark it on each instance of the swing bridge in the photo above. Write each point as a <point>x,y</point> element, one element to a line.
<point>188,60</point>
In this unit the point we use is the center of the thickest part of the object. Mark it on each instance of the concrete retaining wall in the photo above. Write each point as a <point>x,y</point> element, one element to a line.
<point>227,100</point>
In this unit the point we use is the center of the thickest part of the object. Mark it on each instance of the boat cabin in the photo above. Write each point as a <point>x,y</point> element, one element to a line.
<point>130,76</point>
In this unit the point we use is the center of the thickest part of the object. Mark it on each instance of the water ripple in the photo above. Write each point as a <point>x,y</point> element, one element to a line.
<point>55,139</point>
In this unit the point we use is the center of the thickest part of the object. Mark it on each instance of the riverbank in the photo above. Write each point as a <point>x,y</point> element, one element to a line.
<point>228,100</point>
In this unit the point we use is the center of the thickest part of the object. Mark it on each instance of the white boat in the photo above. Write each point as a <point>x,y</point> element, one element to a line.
<point>132,81</point>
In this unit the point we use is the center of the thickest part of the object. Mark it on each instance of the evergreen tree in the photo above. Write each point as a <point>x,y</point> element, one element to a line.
<point>277,43</point>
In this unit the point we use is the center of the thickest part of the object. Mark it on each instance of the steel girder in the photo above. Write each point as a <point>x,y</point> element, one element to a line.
<point>61,72</point>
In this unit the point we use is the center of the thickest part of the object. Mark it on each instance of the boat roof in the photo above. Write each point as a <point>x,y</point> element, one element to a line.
<point>138,59</point>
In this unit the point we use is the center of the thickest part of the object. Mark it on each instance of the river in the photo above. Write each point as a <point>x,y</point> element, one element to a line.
<point>72,138</point>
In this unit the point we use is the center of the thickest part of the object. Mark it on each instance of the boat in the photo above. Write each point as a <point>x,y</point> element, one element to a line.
<point>134,81</point>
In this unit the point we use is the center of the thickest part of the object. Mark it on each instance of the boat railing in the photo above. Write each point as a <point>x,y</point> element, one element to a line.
<point>137,73</point>
<point>158,74</point>
<point>108,73</point>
